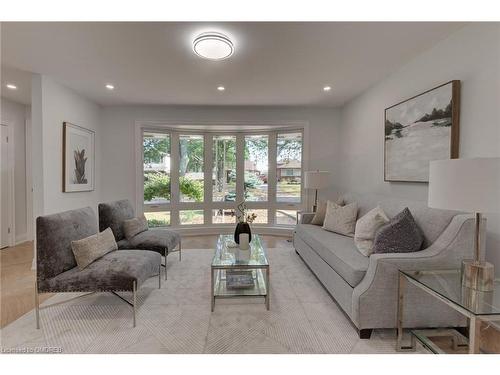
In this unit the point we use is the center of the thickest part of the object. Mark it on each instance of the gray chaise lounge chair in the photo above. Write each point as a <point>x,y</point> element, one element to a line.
<point>163,241</point>
<point>57,272</point>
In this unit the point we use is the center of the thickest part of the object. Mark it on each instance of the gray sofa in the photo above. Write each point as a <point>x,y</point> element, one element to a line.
<point>163,241</point>
<point>366,288</point>
<point>57,271</point>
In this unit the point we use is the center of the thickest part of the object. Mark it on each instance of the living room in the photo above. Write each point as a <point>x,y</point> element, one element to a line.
<point>183,187</point>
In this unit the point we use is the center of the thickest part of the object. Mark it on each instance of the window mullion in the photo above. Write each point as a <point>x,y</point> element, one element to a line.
<point>207,173</point>
<point>240,168</point>
<point>271,178</point>
<point>174,178</point>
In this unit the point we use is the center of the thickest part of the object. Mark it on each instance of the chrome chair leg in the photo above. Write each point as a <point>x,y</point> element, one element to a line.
<point>134,289</point>
<point>180,251</point>
<point>166,254</point>
<point>37,305</point>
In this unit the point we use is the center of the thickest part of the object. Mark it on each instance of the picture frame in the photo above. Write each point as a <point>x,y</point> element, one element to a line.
<point>78,159</point>
<point>420,129</point>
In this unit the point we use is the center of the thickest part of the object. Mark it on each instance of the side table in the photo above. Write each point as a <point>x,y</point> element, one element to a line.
<point>446,286</point>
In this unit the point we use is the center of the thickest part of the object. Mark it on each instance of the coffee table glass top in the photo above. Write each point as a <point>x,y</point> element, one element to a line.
<point>448,284</point>
<point>229,257</point>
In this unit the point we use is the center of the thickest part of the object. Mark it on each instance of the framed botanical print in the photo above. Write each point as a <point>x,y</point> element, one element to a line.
<point>78,158</point>
<point>420,129</point>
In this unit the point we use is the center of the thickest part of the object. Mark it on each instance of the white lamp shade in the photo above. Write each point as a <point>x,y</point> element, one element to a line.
<point>317,179</point>
<point>471,185</point>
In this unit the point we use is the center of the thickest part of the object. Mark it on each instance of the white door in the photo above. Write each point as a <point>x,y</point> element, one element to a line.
<point>5,188</point>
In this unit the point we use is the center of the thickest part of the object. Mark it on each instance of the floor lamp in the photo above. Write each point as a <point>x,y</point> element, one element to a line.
<point>316,180</point>
<point>471,185</point>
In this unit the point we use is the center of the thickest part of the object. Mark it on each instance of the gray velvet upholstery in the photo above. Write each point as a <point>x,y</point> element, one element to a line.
<point>56,265</point>
<point>156,240</point>
<point>113,215</point>
<point>114,271</point>
<point>54,234</point>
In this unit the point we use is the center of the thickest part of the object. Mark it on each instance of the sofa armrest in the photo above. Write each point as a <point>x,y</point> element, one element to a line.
<point>306,217</point>
<point>375,297</point>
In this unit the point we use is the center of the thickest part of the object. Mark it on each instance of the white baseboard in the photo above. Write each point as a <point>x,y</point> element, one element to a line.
<point>208,230</point>
<point>21,238</point>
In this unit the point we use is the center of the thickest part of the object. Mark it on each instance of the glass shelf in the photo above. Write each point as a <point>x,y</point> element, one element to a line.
<point>258,289</point>
<point>448,284</point>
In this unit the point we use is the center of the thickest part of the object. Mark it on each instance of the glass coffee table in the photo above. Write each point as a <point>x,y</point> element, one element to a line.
<point>239,273</point>
<point>446,286</point>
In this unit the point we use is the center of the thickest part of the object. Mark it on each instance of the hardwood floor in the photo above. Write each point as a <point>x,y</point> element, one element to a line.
<point>18,279</point>
<point>17,287</point>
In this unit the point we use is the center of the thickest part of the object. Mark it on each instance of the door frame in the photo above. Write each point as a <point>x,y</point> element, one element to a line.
<point>11,201</point>
<point>30,221</point>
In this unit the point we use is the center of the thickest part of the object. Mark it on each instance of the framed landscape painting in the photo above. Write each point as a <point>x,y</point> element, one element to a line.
<point>78,158</point>
<point>420,129</point>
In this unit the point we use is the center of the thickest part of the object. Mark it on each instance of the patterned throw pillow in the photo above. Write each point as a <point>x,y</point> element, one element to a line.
<point>400,235</point>
<point>91,248</point>
<point>366,227</point>
<point>133,227</point>
<point>319,216</point>
<point>341,219</point>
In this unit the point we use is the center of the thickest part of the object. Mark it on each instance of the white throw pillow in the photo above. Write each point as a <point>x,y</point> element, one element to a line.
<point>93,247</point>
<point>341,219</point>
<point>319,216</point>
<point>366,228</point>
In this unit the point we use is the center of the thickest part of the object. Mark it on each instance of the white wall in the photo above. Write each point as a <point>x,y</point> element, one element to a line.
<point>15,115</point>
<point>471,55</point>
<point>55,104</point>
<point>118,159</point>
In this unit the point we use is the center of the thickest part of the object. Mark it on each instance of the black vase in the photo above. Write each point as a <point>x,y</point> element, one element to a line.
<point>242,228</point>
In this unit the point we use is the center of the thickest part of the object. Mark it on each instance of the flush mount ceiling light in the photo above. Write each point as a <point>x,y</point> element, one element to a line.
<point>327,88</point>
<point>11,86</point>
<point>213,46</point>
<point>109,86</point>
<point>221,88</point>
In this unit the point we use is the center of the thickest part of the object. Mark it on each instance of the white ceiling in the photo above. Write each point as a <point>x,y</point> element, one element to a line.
<point>273,64</point>
<point>21,79</point>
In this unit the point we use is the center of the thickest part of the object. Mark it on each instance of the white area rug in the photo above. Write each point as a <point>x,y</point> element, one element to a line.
<point>177,318</point>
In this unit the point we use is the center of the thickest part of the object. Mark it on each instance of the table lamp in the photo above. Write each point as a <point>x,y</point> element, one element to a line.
<point>316,180</point>
<point>471,185</point>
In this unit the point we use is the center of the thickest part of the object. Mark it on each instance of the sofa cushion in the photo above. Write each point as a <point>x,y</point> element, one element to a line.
<point>132,227</point>
<point>341,219</point>
<point>400,235</point>
<point>114,271</point>
<point>338,251</point>
<point>319,215</point>
<point>366,227</point>
<point>93,247</point>
<point>152,239</point>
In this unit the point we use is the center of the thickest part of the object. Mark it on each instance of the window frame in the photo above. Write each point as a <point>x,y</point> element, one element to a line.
<point>208,205</point>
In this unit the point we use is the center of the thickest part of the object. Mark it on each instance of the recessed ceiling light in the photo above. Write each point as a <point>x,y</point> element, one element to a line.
<point>213,46</point>
<point>327,88</point>
<point>11,86</point>
<point>110,86</point>
<point>221,88</point>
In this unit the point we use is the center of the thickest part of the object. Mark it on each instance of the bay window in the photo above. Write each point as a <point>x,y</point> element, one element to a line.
<point>198,178</point>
